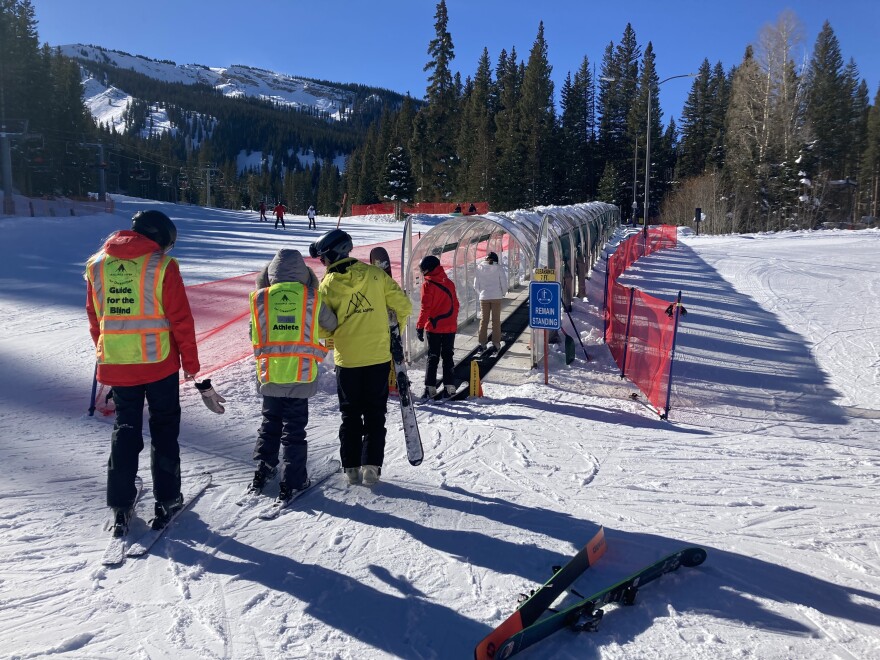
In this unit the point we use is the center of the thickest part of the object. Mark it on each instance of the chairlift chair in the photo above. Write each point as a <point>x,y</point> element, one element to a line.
<point>140,173</point>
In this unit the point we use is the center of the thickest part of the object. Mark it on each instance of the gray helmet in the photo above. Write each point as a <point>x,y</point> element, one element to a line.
<point>332,246</point>
<point>156,226</point>
<point>428,264</point>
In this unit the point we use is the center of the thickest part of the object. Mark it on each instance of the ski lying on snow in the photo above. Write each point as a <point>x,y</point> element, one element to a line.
<point>319,475</point>
<point>191,489</point>
<point>586,615</point>
<point>538,602</point>
<point>114,554</point>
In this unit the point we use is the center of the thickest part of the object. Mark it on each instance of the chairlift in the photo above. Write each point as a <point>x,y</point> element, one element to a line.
<point>38,159</point>
<point>164,178</point>
<point>183,179</point>
<point>71,157</point>
<point>139,172</point>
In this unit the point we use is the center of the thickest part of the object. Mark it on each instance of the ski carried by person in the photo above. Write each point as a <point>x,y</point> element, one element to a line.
<point>585,614</point>
<point>191,489</point>
<point>414,451</point>
<point>536,603</point>
<point>114,554</point>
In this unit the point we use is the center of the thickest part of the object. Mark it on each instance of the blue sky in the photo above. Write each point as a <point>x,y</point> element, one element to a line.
<point>384,42</point>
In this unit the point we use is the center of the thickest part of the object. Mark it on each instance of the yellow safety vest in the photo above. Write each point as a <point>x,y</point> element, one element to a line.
<point>127,296</point>
<point>284,332</point>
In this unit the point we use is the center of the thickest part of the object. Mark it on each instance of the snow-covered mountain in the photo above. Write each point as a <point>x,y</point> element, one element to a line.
<point>236,80</point>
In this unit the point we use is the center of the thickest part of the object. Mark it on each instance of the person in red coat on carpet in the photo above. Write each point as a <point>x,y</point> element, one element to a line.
<point>438,320</point>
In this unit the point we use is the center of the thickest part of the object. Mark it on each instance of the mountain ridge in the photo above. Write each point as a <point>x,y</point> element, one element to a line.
<point>236,80</point>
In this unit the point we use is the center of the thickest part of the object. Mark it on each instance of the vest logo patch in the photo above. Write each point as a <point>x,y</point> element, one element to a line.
<point>124,275</point>
<point>284,304</point>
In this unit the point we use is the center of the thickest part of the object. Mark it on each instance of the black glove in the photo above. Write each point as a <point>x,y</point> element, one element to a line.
<point>420,333</point>
<point>212,400</point>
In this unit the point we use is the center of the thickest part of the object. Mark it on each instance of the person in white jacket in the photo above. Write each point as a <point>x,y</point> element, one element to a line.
<point>491,286</point>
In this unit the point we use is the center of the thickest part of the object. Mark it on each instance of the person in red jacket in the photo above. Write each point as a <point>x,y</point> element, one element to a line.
<point>438,319</point>
<point>143,330</point>
<point>279,215</point>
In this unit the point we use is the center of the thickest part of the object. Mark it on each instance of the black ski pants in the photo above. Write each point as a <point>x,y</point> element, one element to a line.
<point>441,346</point>
<point>127,440</point>
<point>363,397</point>
<point>284,430</point>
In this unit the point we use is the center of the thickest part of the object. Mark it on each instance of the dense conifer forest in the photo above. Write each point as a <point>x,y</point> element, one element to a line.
<point>765,143</point>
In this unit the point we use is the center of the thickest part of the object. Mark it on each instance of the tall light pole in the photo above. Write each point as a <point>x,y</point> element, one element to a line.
<point>648,142</point>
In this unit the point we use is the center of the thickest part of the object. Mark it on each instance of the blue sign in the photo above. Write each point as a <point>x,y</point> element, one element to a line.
<point>545,311</point>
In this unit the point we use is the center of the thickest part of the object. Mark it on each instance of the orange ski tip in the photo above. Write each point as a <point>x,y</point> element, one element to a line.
<point>597,546</point>
<point>489,646</point>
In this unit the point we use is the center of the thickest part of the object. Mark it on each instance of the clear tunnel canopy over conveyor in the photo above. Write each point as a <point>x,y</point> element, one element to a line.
<point>565,238</point>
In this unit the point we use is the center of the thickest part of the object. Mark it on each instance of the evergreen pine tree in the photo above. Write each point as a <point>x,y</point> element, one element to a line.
<point>439,158</point>
<point>397,182</point>
<point>697,134</point>
<point>829,104</point>
<point>537,120</point>
<point>870,170</point>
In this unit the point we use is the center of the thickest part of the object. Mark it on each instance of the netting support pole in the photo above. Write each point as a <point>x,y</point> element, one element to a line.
<point>629,313</point>
<point>665,415</point>
<point>605,304</point>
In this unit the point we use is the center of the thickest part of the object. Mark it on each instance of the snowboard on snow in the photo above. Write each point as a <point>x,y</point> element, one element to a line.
<point>414,452</point>
<point>540,599</point>
<point>585,614</point>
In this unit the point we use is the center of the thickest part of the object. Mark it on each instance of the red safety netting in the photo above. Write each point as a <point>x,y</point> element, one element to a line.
<point>638,331</point>
<point>438,208</point>
<point>649,347</point>
<point>616,315</point>
<point>222,316</point>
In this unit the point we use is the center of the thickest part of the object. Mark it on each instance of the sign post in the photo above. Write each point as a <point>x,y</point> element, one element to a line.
<point>545,306</point>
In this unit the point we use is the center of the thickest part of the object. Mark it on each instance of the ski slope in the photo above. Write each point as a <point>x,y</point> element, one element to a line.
<point>770,461</point>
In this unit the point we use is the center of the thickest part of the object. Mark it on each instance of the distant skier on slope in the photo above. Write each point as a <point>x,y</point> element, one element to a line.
<point>438,318</point>
<point>279,214</point>
<point>286,312</point>
<point>360,295</point>
<point>311,215</point>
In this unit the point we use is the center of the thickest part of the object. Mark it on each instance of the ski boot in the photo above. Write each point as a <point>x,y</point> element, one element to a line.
<point>164,512</point>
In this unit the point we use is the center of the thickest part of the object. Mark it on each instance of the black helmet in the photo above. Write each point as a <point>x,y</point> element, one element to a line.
<point>156,226</point>
<point>492,257</point>
<point>334,245</point>
<point>428,264</point>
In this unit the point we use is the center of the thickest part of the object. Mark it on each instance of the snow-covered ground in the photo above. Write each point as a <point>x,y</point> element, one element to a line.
<point>770,461</point>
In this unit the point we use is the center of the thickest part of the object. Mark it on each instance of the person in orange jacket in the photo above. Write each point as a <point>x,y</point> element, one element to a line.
<point>438,319</point>
<point>143,330</point>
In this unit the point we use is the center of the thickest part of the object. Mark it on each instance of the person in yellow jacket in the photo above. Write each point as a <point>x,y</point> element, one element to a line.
<point>360,295</point>
<point>287,315</point>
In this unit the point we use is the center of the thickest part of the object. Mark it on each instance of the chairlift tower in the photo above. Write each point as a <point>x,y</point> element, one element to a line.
<point>209,171</point>
<point>102,169</point>
<point>9,129</point>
